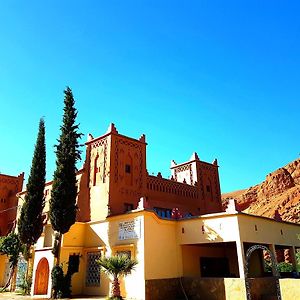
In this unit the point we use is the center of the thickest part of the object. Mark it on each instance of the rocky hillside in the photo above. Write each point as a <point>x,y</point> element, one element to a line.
<point>277,196</point>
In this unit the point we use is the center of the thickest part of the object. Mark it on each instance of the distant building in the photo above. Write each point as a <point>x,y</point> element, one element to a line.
<point>9,187</point>
<point>174,227</point>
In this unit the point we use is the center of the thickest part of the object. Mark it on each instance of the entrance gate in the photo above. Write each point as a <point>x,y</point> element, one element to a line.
<point>41,277</point>
<point>274,269</point>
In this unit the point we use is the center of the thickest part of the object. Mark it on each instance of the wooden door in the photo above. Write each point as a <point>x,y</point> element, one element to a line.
<point>41,277</point>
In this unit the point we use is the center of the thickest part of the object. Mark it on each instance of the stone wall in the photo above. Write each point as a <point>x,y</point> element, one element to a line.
<point>214,288</point>
<point>264,287</point>
<point>196,288</point>
<point>163,289</point>
<point>221,288</point>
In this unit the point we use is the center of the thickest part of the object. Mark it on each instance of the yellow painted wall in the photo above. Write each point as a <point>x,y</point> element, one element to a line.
<point>3,260</point>
<point>191,258</point>
<point>104,236</point>
<point>235,289</point>
<point>221,228</point>
<point>75,237</point>
<point>268,231</point>
<point>290,289</point>
<point>162,252</point>
<point>77,278</point>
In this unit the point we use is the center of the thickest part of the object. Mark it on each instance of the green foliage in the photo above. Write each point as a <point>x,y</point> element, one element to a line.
<point>11,246</point>
<point>57,276</point>
<point>61,283</point>
<point>298,260</point>
<point>30,223</point>
<point>117,265</point>
<point>284,267</point>
<point>64,191</point>
<point>25,285</point>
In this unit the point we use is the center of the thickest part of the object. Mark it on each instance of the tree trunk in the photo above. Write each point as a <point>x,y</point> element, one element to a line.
<point>57,247</point>
<point>11,274</point>
<point>116,287</point>
<point>56,253</point>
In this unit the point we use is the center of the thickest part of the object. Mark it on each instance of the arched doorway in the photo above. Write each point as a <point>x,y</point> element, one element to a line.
<point>274,269</point>
<point>41,277</point>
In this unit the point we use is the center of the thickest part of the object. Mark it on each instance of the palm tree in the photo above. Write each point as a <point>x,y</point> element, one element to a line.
<point>117,266</point>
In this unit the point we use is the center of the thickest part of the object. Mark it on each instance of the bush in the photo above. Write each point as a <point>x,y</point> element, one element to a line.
<point>61,283</point>
<point>284,267</point>
<point>25,285</point>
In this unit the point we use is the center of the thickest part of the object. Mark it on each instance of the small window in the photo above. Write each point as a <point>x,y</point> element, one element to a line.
<point>208,188</point>
<point>125,253</point>
<point>127,168</point>
<point>128,206</point>
<point>163,212</point>
<point>92,278</point>
<point>73,266</point>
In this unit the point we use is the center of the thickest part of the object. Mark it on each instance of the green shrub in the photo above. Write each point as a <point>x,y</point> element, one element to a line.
<point>284,267</point>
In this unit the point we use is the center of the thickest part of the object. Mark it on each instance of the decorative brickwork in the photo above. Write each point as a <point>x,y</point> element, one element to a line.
<point>172,187</point>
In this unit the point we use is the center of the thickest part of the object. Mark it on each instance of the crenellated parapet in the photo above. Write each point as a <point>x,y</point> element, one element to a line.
<point>167,186</point>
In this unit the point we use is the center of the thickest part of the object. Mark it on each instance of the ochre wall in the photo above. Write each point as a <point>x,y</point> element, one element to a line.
<point>3,261</point>
<point>9,187</point>
<point>162,252</point>
<point>268,231</point>
<point>191,255</point>
<point>290,289</point>
<point>104,236</point>
<point>126,187</point>
<point>208,229</point>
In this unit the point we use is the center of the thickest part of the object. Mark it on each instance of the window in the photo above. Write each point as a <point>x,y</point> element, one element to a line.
<point>128,250</point>
<point>163,212</point>
<point>128,206</point>
<point>73,265</point>
<point>208,188</point>
<point>124,252</point>
<point>92,269</point>
<point>127,168</point>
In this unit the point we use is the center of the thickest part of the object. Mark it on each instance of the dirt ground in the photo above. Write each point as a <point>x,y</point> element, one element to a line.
<point>15,296</point>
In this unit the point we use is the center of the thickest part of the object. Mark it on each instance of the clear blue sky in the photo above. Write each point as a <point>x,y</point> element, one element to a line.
<point>217,77</point>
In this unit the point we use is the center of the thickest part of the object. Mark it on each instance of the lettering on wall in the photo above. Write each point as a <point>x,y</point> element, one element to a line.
<point>130,229</point>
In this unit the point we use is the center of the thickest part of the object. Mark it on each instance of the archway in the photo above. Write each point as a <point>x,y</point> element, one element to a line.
<point>41,277</point>
<point>274,269</point>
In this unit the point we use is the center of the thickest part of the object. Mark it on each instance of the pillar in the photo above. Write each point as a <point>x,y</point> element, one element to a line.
<point>241,258</point>
<point>292,252</point>
<point>273,250</point>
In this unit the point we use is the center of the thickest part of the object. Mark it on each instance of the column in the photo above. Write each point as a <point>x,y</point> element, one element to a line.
<point>241,258</point>
<point>292,253</point>
<point>273,250</point>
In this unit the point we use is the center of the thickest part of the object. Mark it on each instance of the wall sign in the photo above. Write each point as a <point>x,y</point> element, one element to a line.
<point>130,229</point>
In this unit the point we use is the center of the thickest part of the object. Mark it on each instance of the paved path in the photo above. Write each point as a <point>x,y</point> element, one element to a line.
<point>15,296</point>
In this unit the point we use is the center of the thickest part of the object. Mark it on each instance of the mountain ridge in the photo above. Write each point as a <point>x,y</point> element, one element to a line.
<point>278,196</point>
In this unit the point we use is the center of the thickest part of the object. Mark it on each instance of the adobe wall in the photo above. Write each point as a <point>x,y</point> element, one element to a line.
<point>166,193</point>
<point>127,172</point>
<point>9,187</point>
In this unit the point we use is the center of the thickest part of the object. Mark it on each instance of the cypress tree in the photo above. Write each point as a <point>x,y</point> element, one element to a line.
<point>30,223</point>
<point>64,191</point>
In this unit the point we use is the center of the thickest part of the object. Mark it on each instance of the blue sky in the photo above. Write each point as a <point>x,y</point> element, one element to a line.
<point>217,77</point>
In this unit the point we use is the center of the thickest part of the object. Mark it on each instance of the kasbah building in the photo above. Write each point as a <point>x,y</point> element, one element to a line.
<point>185,243</point>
